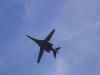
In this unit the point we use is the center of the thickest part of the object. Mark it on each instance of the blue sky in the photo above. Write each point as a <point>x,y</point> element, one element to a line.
<point>77,24</point>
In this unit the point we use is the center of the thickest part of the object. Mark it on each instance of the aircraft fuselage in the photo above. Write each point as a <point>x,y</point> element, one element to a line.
<point>45,45</point>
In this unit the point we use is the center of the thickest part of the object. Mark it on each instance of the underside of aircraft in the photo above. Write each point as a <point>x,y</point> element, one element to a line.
<point>45,45</point>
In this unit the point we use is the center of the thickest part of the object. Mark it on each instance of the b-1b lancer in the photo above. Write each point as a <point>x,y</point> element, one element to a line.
<point>45,45</point>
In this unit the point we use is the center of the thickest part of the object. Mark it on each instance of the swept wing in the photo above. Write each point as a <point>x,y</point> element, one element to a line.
<point>40,55</point>
<point>50,35</point>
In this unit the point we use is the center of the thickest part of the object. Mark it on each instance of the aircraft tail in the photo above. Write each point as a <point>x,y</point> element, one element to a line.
<point>56,51</point>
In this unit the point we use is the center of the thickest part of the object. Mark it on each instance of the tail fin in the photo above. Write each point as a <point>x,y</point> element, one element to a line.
<point>56,51</point>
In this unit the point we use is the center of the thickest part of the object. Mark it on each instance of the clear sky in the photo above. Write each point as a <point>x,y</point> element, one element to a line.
<point>77,24</point>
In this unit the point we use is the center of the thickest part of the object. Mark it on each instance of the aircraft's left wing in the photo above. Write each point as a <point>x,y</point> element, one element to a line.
<point>50,35</point>
<point>40,55</point>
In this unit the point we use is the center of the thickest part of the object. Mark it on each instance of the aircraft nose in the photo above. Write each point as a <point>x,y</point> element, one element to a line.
<point>27,35</point>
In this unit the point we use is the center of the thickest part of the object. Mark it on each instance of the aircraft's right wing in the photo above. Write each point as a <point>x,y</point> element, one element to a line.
<point>40,55</point>
<point>50,35</point>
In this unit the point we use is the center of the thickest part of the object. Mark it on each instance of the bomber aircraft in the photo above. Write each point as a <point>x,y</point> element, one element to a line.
<point>45,45</point>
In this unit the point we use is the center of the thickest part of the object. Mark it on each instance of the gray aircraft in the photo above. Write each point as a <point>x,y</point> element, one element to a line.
<point>45,45</point>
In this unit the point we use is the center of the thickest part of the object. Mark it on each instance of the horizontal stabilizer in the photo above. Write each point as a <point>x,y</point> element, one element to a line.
<point>57,48</point>
<point>56,51</point>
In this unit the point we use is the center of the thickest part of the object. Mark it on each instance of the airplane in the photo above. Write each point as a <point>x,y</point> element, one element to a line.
<point>45,45</point>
